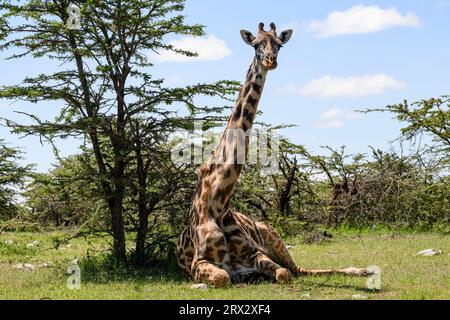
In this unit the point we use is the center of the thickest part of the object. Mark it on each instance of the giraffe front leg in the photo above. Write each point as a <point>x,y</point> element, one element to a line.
<point>185,253</point>
<point>211,253</point>
<point>267,266</point>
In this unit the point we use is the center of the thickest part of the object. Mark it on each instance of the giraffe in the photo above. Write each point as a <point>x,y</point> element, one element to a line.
<point>220,246</point>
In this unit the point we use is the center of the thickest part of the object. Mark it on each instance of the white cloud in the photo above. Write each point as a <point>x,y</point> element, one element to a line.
<point>361,19</point>
<point>210,48</point>
<point>336,118</point>
<point>355,86</point>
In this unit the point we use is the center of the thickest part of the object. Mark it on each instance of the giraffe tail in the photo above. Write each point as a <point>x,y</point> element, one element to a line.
<point>353,272</point>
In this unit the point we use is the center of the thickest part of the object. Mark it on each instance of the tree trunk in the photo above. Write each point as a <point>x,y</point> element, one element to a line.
<point>143,213</point>
<point>116,200</point>
<point>140,256</point>
<point>117,225</point>
<point>286,193</point>
<point>113,195</point>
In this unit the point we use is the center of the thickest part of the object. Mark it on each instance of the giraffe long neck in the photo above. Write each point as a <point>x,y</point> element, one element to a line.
<point>247,103</point>
<point>233,147</point>
<point>218,177</point>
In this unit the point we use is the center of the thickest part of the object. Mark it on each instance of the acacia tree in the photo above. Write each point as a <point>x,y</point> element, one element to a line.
<point>430,116</point>
<point>104,83</point>
<point>156,202</point>
<point>12,176</point>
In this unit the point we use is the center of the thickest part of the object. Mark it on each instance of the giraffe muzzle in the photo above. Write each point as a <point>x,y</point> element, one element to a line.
<point>270,61</point>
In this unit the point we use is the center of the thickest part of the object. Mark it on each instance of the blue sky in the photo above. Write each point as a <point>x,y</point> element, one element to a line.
<point>344,55</point>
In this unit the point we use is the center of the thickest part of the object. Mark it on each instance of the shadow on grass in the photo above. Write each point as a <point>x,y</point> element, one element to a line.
<point>104,268</point>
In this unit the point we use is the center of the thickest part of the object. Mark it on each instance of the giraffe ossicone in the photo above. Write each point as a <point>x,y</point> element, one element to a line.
<point>220,246</point>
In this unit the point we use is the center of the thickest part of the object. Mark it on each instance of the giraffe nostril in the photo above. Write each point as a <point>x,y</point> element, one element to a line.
<point>270,58</point>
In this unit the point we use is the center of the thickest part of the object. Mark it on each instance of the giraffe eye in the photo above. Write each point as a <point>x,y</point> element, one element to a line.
<point>257,45</point>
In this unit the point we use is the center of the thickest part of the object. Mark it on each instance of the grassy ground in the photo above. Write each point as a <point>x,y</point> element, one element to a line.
<point>404,275</point>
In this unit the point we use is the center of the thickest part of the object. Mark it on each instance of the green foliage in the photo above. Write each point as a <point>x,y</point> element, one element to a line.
<point>12,177</point>
<point>67,196</point>
<point>384,188</point>
<point>390,189</point>
<point>20,224</point>
<point>430,116</point>
<point>287,226</point>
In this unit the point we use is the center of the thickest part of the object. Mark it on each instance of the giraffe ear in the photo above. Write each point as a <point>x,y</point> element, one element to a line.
<point>248,37</point>
<point>285,36</point>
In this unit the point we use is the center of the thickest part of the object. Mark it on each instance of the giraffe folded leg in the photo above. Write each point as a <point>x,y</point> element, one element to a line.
<point>266,265</point>
<point>276,247</point>
<point>280,254</point>
<point>211,274</point>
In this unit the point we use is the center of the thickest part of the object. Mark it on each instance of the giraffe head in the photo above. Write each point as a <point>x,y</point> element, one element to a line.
<point>267,44</point>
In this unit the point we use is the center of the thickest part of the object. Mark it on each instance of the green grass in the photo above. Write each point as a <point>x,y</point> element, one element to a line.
<point>404,275</point>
